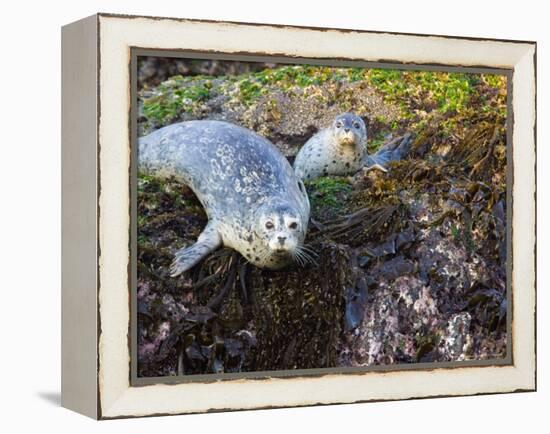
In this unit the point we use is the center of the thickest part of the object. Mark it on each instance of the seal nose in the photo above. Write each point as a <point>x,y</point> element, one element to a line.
<point>281,240</point>
<point>346,130</point>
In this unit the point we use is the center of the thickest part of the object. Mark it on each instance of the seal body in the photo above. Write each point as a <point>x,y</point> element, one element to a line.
<point>342,150</point>
<point>254,202</point>
<point>338,150</point>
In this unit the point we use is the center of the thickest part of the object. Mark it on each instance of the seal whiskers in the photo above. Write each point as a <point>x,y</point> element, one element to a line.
<point>305,257</point>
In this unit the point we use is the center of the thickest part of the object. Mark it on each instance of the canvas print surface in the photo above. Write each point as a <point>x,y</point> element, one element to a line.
<point>296,216</point>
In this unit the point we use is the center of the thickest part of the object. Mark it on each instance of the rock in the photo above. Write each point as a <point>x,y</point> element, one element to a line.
<point>363,261</point>
<point>457,340</point>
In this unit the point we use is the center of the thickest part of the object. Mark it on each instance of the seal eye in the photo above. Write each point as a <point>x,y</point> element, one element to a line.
<point>356,125</point>
<point>338,124</point>
<point>293,225</point>
<point>269,225</point>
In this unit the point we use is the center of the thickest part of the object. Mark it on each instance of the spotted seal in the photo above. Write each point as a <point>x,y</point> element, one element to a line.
<point>337,150</point>
<point>254,202</point>
<point>341,150</point>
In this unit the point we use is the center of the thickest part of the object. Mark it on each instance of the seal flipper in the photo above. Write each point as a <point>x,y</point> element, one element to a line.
<point>186,258</point>
<point>375,166</point>
<point>394,150</point>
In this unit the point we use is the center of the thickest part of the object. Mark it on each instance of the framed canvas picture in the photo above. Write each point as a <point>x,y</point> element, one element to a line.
<point>260,216</point>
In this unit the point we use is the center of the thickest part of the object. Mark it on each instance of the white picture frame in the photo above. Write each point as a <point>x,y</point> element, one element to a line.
<point>96,136</point>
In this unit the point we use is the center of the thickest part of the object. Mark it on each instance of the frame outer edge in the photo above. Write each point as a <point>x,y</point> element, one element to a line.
<point>79,321</point>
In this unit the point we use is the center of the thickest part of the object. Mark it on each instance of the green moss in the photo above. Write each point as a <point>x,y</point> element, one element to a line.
<point>328,195</point>
<point>446,91</point>
<point>249,91</point>
<point>295,75</point>
<point>186,95</point>
<point>161,109</point>
<point>423,98</point>
<point>356,74</point>
<point>494,80</point>
<point>200,92</point>
<point>174,96</point>
<point>287,78</point>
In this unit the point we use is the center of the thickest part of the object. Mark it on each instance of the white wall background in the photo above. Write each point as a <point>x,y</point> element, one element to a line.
<point>30,217</point>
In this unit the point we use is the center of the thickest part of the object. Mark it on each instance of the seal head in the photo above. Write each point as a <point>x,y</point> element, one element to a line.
<point>280,231</point>
<point>349,129</point>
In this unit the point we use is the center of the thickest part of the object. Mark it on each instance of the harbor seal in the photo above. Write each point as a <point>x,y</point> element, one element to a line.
<point>254,202</point>
<point>342,150</point>
<point>337,150</point>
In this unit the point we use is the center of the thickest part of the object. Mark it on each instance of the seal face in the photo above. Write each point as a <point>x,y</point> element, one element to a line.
<point>254,202</point>
<point>337,150</point>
